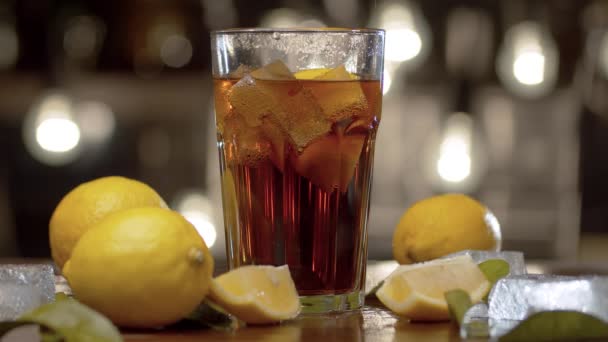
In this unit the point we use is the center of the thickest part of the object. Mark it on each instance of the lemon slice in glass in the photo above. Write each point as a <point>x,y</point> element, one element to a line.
<point>335,74</point>
<point>311,74</point>
<point>417,291</point>
<point>257,294</point>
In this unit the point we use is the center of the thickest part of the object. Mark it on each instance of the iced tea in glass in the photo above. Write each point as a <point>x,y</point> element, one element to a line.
<point>297,113</point>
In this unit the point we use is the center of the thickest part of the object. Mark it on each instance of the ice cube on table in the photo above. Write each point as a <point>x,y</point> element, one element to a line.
<point>477,325</point>
<point>515,298</point>
<point>16,300</point>
<point>476,312</point>
<point>24,287</point>
<point>41,276</point>
<point>475,322</point>
<point>517,265</point>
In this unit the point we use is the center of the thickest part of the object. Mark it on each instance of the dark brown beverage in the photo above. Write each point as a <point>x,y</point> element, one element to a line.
<point>296,159</point>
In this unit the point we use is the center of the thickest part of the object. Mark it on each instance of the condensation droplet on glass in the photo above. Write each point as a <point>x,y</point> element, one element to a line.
<point>276,36</point>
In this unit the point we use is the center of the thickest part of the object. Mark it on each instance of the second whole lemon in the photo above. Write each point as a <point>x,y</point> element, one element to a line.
<point>142,267</point>
<point>444,224</point>
<point>90,202</point>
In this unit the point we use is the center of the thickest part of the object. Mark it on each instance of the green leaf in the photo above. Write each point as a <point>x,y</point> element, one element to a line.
<point>558,325</point>
<point>459,303</point>
<point>494,269</point>
<point>73,321</point>
<point>210,315</point>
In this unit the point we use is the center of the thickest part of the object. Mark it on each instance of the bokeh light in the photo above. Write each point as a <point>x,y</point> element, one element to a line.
<point>197,209</point>
<point>176,51</point>
<point>83,37</point>
<point>165,43</point>
<point>527,62</point>
<point>387,81</point>
<point>57,134</point>
<point>96,121</point>
<point>402,44</point>
<point>407,33</point>
<point>454,162</point>
<point>529,67</point>
<point>219,14</point>
<point>50,132</point>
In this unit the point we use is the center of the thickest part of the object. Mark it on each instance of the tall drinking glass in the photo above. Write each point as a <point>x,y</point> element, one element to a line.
<point>297,113</point>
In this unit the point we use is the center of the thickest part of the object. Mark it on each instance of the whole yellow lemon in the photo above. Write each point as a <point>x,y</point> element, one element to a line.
<point>88,203</point>
<point>142,267</point>
<point>444,224</point>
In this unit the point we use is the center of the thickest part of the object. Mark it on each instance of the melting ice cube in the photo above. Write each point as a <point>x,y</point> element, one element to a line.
<point>24,287</point>
<point>276,70</point>
<point>330,161</point>
<point>17,299</point>
<point>515,259</point>
<point>514,298</point>
<point>287,103</point>
<point>340,100</point>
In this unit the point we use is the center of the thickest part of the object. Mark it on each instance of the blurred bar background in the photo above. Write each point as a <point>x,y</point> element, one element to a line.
<point>506,100</point>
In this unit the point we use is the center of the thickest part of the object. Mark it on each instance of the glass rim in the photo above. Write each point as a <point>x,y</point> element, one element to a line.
<point>302,30</point>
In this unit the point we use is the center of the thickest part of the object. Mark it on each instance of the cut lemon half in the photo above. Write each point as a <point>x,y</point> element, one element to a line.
<point>417,291</point>
<point>257,294</point>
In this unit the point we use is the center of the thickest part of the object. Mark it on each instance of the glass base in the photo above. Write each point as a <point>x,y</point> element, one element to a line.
<point>332,303</point>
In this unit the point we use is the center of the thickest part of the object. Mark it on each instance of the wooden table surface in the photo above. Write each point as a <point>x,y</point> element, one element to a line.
<point>372,323</point>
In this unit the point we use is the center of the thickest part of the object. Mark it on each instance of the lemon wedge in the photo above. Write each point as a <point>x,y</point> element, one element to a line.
<point>257,294</point>
<point>417,291</point>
